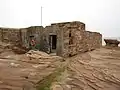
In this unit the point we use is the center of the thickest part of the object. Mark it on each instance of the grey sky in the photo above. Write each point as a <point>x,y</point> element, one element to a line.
<point>98,15</point>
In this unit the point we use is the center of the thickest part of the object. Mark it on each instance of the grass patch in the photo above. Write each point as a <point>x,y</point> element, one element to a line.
<point>46,83</point>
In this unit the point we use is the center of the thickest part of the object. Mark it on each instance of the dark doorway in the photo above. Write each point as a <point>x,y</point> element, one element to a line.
<point>52,42</point>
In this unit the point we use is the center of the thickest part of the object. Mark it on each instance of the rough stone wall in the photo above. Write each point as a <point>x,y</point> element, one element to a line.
<point>71,37</point>
<point>10,35</point>
<point>1,35</point>
<point>93,40</point>
<point>20,36</point>
<point>75,39</point>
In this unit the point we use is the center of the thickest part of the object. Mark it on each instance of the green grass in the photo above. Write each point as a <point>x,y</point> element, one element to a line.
<point>46,83</point>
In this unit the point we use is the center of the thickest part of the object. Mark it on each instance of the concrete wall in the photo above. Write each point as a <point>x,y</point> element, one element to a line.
<point>54,30</point>
<point>25,38</point>
<point>35,31</point>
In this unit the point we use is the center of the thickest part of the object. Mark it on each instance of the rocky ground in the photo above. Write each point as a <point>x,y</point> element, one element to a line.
<point>95,70</point>
<point>24,71</point>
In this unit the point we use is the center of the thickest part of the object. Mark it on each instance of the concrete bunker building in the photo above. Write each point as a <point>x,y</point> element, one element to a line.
<point>65,39</point>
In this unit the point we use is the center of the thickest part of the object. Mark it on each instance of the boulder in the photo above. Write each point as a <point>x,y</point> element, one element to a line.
<point>111,42</point>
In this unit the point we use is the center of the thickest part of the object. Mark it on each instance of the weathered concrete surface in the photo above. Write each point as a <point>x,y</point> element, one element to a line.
<point>111,42</point>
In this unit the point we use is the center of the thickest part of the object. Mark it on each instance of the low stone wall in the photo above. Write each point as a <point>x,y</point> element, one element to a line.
<point>20,36</point>
<point>10,35</point>
<point>93,40</point>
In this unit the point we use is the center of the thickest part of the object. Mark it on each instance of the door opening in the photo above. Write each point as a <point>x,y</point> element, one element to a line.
<point>53,42</point>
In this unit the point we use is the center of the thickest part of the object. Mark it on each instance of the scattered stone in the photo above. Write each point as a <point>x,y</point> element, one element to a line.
<point>14,65</point>
<point>33,74</point>
<point>57,87</point>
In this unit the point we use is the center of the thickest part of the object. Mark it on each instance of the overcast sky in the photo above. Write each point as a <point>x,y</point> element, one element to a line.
<point>99,15</point>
